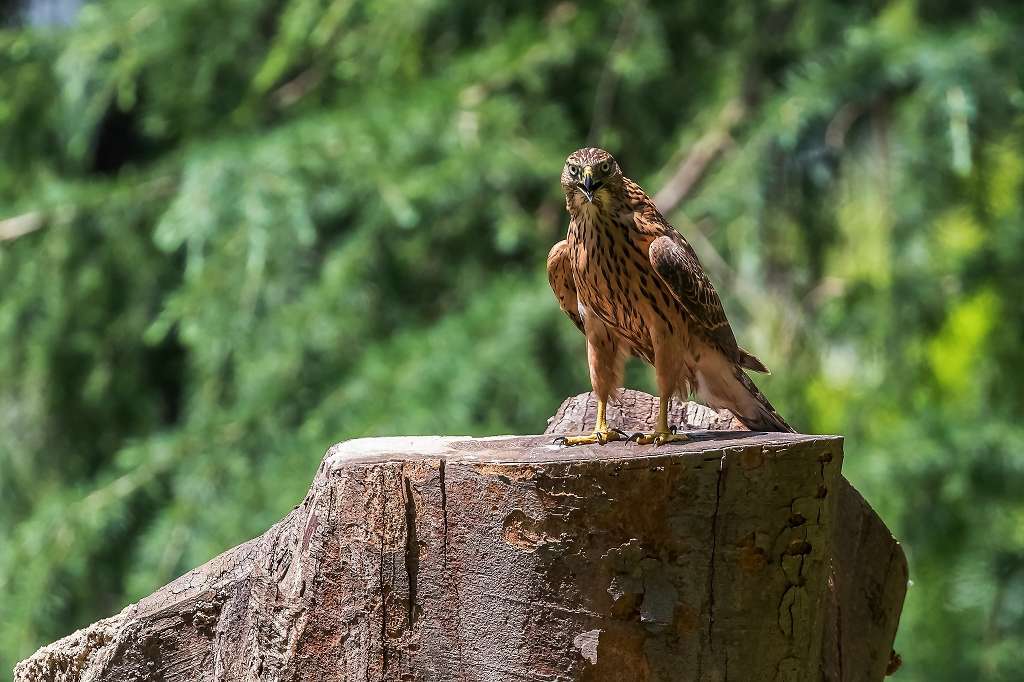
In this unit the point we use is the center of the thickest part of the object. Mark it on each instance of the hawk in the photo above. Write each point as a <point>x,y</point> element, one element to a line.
<point>634,285</point>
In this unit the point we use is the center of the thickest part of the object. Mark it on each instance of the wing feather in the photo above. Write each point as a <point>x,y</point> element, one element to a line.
<point>677,265</point>
<point>562,283</point>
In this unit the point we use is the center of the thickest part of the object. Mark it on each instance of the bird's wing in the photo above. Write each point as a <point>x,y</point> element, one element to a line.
<point>561,280</point>
<point>676,264</point>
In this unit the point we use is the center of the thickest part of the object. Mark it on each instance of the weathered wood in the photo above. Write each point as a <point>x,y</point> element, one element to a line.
<point>512,559</point>
<point>868,570</point>
<point>866,589</point>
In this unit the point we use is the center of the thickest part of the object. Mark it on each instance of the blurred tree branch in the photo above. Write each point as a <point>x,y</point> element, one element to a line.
<point>604,93</point>
<point>695,164</point>
<point>20,225</point>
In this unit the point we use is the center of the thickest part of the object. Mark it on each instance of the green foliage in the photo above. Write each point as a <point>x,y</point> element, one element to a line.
<point>266,225</point>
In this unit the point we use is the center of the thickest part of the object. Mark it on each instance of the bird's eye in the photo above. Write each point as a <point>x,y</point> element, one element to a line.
<point>573,169</point>
<point>604,167</point>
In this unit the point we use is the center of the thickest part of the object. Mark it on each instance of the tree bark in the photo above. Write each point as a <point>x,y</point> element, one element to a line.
<point>737,555</point>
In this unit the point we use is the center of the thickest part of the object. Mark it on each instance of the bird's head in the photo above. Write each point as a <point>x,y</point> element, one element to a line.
<point>590,175</point>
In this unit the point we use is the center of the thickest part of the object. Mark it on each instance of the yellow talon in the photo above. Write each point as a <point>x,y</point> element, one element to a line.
<point>602,432</point>
<point>662,434</point>
<point>596,438</point>
<point>659,438</point>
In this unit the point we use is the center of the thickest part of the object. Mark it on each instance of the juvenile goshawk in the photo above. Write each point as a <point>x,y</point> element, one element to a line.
<point>634,285</point>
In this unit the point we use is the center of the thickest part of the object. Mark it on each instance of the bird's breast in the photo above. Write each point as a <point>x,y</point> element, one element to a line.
<point>613,273</point>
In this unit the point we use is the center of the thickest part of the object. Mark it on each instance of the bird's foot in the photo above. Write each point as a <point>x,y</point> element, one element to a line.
<point>599,437</point>
<point>659,437</point>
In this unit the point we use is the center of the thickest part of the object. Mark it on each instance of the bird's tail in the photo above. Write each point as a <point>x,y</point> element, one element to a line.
<point>754,410</point>
<point>751,361</point>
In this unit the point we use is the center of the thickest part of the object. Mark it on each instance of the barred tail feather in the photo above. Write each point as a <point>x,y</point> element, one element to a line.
<point>756,412</point>
<point>751,361</point>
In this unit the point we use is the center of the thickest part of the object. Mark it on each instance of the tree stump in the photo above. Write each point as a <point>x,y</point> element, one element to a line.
<point>737,555</point>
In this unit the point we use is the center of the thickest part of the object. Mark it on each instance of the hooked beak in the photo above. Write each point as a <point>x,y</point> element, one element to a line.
<point>587,184</point>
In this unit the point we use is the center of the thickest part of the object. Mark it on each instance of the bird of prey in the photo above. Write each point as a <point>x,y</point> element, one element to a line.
<point>634,285</point>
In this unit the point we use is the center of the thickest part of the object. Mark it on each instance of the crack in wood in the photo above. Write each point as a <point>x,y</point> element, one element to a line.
<point>444,512</point>
<point>412,550</point>
<point>449,576</point>
<point>711,565</point>
<point>383,588</point>
<point>714,548</point>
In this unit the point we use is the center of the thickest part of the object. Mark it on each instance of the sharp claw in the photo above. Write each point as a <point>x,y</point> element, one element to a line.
<point>620,432</point>
<point>635,438</point>
<point>601,440</point>
<point>561,440</point>
<point>672,429</point>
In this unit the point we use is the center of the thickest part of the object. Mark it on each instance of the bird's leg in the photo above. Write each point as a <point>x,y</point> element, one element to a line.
<point>602,432</point>
<point>662,434</point>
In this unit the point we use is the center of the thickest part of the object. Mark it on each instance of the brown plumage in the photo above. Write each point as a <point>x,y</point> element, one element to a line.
<point>633,284</point>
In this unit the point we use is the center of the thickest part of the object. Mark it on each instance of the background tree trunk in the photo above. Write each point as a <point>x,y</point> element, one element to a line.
<point>739,556</point>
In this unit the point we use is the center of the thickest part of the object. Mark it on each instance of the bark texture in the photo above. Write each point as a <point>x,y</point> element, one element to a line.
<point>736,556</point>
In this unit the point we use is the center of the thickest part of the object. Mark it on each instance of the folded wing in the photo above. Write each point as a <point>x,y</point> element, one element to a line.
<point>676,264</point>
<point>562,283</point>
